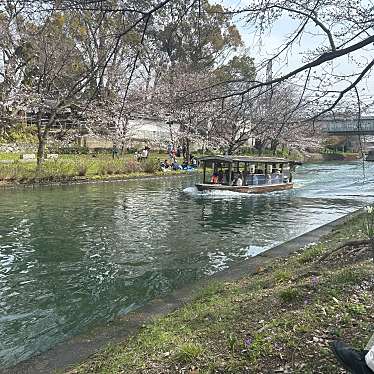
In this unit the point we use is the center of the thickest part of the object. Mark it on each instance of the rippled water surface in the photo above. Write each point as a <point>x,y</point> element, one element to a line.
<point>77,256</point>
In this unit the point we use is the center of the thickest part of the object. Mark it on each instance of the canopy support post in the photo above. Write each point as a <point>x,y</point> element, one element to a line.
<point>230,171</point>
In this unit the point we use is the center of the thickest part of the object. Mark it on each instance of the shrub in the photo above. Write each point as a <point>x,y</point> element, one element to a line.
<point>72,150</point>
<point>57,169</point>
<point>111,167</point>
<point>132,166</point>
<point>151,166</point>
<point>7,173</point>
<point>21,133</point>
<point>81,169</point>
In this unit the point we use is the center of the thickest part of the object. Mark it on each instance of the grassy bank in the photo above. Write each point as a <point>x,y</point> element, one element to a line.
<point>70,168</point>
<point>279,320</point>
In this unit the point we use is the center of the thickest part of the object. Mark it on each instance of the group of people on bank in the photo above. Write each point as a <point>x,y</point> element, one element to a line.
<point>173,164</point>
<point>179,151</point>
<point>189,161</point>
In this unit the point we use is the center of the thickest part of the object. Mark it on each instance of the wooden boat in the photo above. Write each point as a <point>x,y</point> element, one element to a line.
<point>246,174</point>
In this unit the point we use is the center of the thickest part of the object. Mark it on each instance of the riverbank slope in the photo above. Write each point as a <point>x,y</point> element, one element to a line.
<point>280,319</point>
<point>73,169</point>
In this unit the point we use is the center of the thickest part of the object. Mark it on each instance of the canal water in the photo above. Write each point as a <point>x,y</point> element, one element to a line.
<point>74,257</point>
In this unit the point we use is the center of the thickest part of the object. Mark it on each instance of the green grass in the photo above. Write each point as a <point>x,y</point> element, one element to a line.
<point>283,275</point>
<point>279,318</point>
<point>311,253</point>
<point>188,352</point>
<point>290,295</point>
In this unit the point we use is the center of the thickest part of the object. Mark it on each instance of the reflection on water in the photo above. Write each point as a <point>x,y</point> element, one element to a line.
<point>72,257</point>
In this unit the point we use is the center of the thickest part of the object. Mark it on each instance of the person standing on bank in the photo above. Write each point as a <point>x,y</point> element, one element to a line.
<point>114,151</point>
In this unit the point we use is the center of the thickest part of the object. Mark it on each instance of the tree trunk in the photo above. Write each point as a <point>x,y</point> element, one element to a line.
<point>230,149</point>
<point>188,149</point>
<point>371,246</point>
<point>259,145</point>
<point>41,143</point>
<point>42,137</point>
<point>171,133</point>
<point>273,146</point>
<point>40,153</point>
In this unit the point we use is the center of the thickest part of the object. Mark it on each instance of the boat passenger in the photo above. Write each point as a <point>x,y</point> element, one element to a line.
<point>275,176</point>
<point>220,176</point>
<point>239,180</point>
<point>214,178</point>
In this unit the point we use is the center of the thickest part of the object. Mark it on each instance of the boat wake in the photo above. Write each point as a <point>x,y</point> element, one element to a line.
<point>216,194</point>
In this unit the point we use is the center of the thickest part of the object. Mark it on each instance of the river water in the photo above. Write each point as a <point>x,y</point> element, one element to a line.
<point>74,257</point>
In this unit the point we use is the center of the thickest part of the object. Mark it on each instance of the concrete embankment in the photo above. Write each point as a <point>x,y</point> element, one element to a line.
<point>319,157</point>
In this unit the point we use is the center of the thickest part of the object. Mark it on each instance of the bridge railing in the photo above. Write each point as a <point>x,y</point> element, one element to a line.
<point>352,126</point>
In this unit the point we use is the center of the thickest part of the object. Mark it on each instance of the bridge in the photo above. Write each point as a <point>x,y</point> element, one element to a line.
<point>348,126</point>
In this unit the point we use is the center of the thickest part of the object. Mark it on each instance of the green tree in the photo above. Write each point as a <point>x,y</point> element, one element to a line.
<point>239,68</point>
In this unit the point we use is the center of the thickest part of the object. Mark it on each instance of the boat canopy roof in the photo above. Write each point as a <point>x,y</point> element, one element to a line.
<point>246,159</point>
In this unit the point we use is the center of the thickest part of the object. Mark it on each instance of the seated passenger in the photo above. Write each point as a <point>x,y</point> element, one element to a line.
<point>249,179</point>
<point>233,176</point>
<point>220,177</point>
<point>214,178</point>
<point>276,176</point>
<point>239,180</point>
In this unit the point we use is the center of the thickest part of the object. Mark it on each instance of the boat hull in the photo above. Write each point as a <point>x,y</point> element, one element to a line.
<point>245,189</point>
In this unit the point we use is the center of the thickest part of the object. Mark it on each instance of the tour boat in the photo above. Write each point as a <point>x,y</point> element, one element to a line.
<point>246,174</point>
